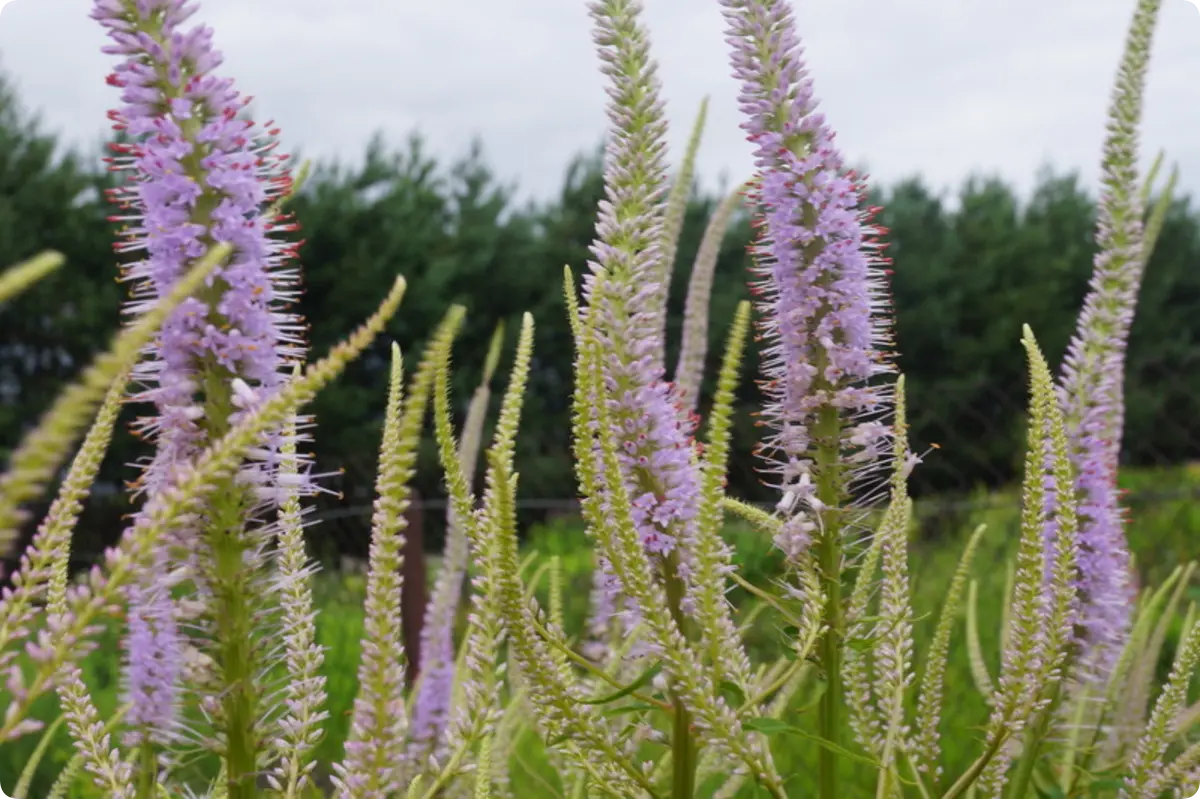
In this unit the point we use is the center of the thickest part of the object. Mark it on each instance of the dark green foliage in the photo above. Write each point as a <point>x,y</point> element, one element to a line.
<point>968,273</point>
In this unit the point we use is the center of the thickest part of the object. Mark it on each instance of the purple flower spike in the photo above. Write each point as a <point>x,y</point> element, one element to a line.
<point>199,175</point>
<point>1091,385</point>
<point>823,283</point>
<point>431,706</point>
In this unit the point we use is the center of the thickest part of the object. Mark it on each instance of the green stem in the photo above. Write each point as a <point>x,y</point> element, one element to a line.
<point>233,610</point>
<point>1026,764</point>
<point>829,555</point>
<point>148,773</point>
<point>235,630</point>
<point>967,780</point>
<point>684,752</point>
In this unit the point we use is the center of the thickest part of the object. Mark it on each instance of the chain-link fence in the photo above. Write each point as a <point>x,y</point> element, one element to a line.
<point>972,463</point>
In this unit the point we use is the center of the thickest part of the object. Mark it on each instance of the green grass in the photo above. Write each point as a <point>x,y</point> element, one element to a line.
<point>1164,525</point>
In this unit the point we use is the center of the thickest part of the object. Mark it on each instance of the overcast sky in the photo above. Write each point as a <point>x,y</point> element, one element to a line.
<point>942,88</point>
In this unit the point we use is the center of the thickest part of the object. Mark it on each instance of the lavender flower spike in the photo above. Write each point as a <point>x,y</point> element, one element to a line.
<point>822,288</point>
<point>1090,387</point>
<point>822,285</point>
<point>200,175</point>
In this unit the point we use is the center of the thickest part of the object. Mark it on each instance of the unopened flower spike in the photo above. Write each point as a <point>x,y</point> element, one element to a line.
<point>41,578</point>
<point>300,727</point>
<point>689,372</point>
<point>878,680</point>
<point>673,218</point>
<point>1044,599</point>
<point>482,674</point>
<point>1149,772</point>
<point>560,714</point>
<point>375,744</point>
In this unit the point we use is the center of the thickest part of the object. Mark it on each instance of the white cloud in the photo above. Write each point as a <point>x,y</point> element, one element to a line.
<point>937,87</point>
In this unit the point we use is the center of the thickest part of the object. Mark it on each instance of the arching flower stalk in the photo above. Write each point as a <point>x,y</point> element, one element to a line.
<point>70,614</point>
<point>19,277</point>
<point>202,175</point>
<point>823,298</point>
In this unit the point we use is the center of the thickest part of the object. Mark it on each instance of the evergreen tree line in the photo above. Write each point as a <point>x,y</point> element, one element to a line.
<point>968,273</point>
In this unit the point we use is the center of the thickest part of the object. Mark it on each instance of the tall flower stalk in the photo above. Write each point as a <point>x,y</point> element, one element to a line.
<point>689,371</point>
<point>651,477</point>
<point>822,294</point>
<point>622,291</point>
<point>201,175</point>
<point>1091,385</point>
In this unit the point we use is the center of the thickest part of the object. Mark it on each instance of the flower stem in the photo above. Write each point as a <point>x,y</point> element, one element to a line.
<point>233,612</point>
<point>684,752</point>
<point>829,555</point>
<point>235,629</point>
<point>148,773</point>
<point>1027,763</point>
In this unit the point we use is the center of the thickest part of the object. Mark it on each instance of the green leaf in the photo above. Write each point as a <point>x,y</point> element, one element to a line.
<point>733,694</point>
<point>769,726</point>
<point>26,779</point>
<point>645,677</point>
<point>634,708</point>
